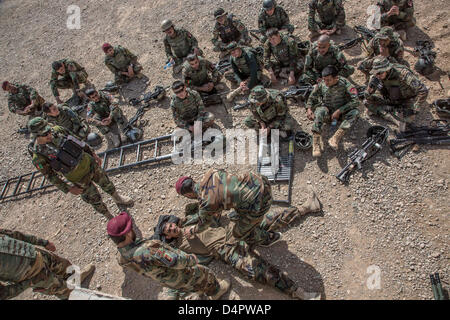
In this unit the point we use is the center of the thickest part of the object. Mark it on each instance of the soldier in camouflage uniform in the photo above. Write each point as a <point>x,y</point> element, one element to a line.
<point>323,53</point>
<point>200,74</point>
<point>23,265</point>
<point>219,243</point>
<point>335,96</point>
<point>122,63</point>
<point>226,30</point>
<point>387,44</point>
<point>250,195</point>
<point>23,100</point>
<point>400,92</point>
<point>106,115</point>
<point>281,55</point>
<point>168,266</point>
<point>270,111</point>
<point>79,165</point>
<point>187,107</point>
<point>178,43</point>
<point>330,17</point>
<point>398,14</point>
<point>67,74</point>
<point>61,115</point>
<point>273,16</point>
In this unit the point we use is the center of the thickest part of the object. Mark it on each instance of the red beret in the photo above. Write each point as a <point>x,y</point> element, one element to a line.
<point>106,47</point>
<point>180,183</point>
<point>4,84</point>
<point>120,225</point>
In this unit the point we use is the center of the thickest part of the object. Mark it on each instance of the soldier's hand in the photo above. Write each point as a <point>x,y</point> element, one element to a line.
<point>58,100</point>
<point>76,190</point>
<point>336,114</point>
<point>273,77</point>
<point>209,86</point>
<point>106,121</point>
<point>28,109</point>
<point>50,247</point>
<point>130,71</point>
<point>291,80</point>
<point>188,232</point>
<point>310,114</point>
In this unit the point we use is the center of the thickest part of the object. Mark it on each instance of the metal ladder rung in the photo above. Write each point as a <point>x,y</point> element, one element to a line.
<point>5,187</point>
<point>31,181</point>
<point>42,183</point>
<point>104,160</point>
<point>156,149</point>
<point>121,157</point>
<point>17,185</point>
<point>138,153</point>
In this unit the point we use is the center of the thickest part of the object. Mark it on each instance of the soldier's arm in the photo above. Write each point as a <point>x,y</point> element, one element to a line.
<point>267,55</point>
<point>24,237</point>
<point>282,108</point>
<point>353,103</point>
<point>75,119</point>
<point>53,80</point>
<point>235,71</point>
<point>418,87</point>
<point>242,29</point>
<point>12,105</point>
<point>312,26</point>
<point>130,55</point>
<point>293,55</point>
<point>285,21</point>
<point>216,38</point>
<point>111,68</point>
<point>314,99</point>
<point>342,61</point>
<point>407,13</point>
<point>384,9</point>
<point>340,11</point>
<point>255,113</point>
<point>44,167</point>
<point>168,49</point>
<point>262,24</point>
<point>199,101</point>
<point>253,65</point>
<point>73,74</point>
<point>176,117</point>
<point>192,41</point>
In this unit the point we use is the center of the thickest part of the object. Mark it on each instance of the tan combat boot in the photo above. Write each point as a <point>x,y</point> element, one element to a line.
<point>312,205</point>
<point>124,200</point>
<point>302,295</point>
<point>224,287</point>
<point>317,142</point>
<point>334,140</point>
<point>87,271</point>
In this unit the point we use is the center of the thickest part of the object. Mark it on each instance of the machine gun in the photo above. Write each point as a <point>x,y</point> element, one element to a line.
<point>364,35</point>
<point>425,64</point>
<point>436,134</point>
<point>223,66</point>
<point>157,94</point>
<point>302,92</point>
<point>376,137</point>
<point>436,286</point>
<point>254,33</point>
<point>442,107</point>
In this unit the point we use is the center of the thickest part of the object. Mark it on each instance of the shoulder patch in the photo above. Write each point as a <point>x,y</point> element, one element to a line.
<point>353,90</point>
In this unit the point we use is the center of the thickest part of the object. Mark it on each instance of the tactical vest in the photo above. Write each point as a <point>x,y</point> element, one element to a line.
<point>198,77</point>
<point>268,111</point>
<point>228,32</point>
<point>320,62</point>
<point>64,118</point>
<point>393,88</point>
<point>16,258</point>
<point>281,51</point>
<point>101,108</point>
<point>335,96</point>
<point>120,60</point>
<point>187,108</point>
<point>180,44</point>
<point>326,11</point>
<point>273,21</point>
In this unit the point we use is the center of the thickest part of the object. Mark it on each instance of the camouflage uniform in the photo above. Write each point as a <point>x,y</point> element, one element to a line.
<point>170,267</point>
<point>103,109</point>
<point>23,265</point>
<point>82,175</point>
<point>279,19</point>
<point>401,89</point>
<point>324,101</point>
<point>249,194</point>
<point>205,73</point>
<point>70,121</point>
<point>402,21</point>
<point>274,113</point>
<point>179,47</point>
<point>285,56</point>
<point>120,62</point>
<point>315,63</point>
<point>73,76</point>
<point>247,66</point>
<point>187,111</point>
<point>24,97</point>
<point>395,47</point>
<point>232,30</point>
<point>222,245</point>
<point>330,14</point>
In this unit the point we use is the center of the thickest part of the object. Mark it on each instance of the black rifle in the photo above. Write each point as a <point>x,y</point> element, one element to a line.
<point>23,130</point>
<point>377,136</point>
<point>223,66</point>
<point>240,106</point>
<point>152,95</point>
<point>253,33</point>
<point>302,92</point>
<point>364,35</point>
<point>436,134</point>
<point>426,57</point>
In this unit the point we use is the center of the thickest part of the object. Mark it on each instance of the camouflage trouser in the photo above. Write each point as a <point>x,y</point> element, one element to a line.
<point>194,279</point>
<point>319,25</point>
<point>247,227</point>
<point>287,124</point>
<point>206,118</point>
<point>312,76</point>
<point>404,111</point>
<point>365,66</point>
<point>322,114</point>
<point>278,67</point>
<point>399,24</point>
<point>66,82</point>
<point>120,78</point>
<point>117,119</point>
<point>256,268</point>
<point>49,280</point>
<point>90,192</point>
<point>262,78</point>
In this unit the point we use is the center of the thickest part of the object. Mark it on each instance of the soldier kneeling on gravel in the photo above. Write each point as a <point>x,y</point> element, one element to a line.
<point>106,116</point>
<point>56,153</point>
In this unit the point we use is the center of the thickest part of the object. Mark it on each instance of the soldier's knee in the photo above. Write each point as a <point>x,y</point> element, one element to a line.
<point>250,122</point>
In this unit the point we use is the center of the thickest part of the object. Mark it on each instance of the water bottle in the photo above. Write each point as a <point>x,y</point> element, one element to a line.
<point>333,125</point>
<point>169,65</point>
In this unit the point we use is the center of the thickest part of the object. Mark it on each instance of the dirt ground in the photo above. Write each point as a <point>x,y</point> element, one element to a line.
<point>393,218</point>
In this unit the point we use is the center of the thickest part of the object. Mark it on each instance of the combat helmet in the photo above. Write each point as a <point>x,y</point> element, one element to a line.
<point>268,4</point>
<point>303,140</point>
<point>166,25</point>
<point>93,139</point>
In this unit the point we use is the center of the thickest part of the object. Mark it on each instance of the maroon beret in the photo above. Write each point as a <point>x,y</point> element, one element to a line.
<point>180,183</point>
<point>106,47</point>
<point>120,225</point>
<point>4,84</point>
